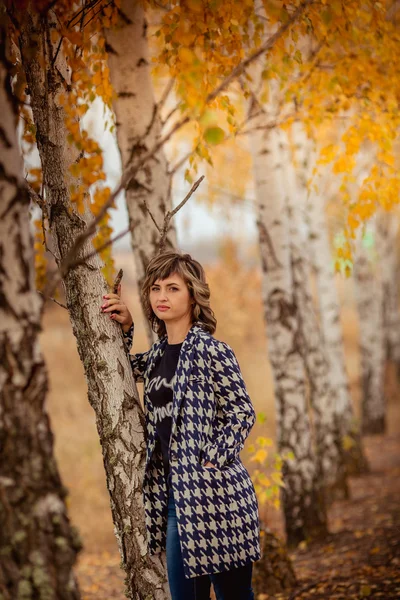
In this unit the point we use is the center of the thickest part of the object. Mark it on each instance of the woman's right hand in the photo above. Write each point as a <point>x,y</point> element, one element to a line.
<point>120,312</point>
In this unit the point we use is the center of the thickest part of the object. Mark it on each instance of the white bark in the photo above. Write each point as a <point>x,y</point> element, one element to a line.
<point>303,502</point>
<point>138,130</point>
<point>322,394</point>
<point>38,545</point>
<point>111,389</point>
<point>320,256</point>
<point>369,297</point>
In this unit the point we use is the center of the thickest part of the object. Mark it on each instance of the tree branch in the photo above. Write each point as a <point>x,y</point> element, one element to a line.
<point>170,214</point>
<point>165,94</point>
<point>171,112</point>
<point>53,299</point>
<point>130,171</point>
<point>181,162</point>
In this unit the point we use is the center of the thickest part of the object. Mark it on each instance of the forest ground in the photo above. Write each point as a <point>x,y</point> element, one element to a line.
<point>365,531</point>
<point>359,559</point>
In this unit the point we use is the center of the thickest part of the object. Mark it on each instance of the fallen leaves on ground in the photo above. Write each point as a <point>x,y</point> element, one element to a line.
<point>360,559</point>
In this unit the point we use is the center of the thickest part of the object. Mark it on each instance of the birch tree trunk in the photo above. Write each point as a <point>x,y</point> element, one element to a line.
<point>302,497</point>
<point>319,251</point>
<point>369,298</point>
<point>38,545</point>
<point>138,130</point>
<point>389,266</point>
<point>322,394</point>
<point>111,389</point>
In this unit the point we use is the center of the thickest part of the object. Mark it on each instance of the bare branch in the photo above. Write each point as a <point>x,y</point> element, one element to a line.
<point>82,260</point>
<point>78,14</point>
<point>53,299</point>
<point>181,162</point>
<point>34,196</point>
<point>171,112</point>
<point>274,123</point>
<point>170,214</point>
<point>131,170</point>
<point>165,94</point>
<point>261,50</point>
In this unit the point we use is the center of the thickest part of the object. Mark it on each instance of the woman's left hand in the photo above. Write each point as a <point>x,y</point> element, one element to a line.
<point>208,464</point>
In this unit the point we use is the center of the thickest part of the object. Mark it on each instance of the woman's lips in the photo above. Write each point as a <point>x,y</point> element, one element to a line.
<point>162,308</point>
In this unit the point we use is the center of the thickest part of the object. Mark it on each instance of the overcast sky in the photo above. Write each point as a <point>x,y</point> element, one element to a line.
<point>195,222</point>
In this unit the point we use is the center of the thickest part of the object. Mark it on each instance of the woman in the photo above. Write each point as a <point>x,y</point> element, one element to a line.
<point>200,503</point>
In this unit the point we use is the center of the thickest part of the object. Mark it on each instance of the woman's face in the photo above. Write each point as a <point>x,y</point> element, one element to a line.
<point>170,298</point>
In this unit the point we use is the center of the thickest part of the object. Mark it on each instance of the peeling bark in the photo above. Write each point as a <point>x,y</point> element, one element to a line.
<point>303,495</point>
<point>38,544</point>
<point>138,130</point>
<point>111,389</point>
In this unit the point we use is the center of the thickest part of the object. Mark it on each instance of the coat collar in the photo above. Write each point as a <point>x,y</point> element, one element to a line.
<point>183,369</point>
<point>158,348</point>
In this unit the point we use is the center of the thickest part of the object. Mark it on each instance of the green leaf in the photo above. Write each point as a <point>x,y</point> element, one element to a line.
<point>214,135</point>
<point>297,57</point>
<point>261,417</point>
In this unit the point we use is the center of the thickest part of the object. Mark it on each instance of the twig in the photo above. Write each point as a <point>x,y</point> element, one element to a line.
<point>82,10</point>
<point>117,281</point>
<point>171,112</point>
<point>53,299</point>
<point>162,230</point>
<point>34,196</point>
<point>151,215</point>
<point>165,94</point>
<point>181,162</point>
<point>170,214</point>
<point>95,14</point>
<point>82,260</point>
<point>133,169</point>
<point>270,125</point>
<point>264,48</point>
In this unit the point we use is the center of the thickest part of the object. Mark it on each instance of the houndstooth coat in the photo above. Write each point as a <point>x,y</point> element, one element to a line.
<point>212,415</point>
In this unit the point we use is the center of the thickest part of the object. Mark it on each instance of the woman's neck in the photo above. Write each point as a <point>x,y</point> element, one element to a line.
<point>177,332</point>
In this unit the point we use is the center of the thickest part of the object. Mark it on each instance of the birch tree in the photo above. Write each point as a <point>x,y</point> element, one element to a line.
<point>38,545</point>
<point>303,495</point>
<point>322,393</point>
<point>138,122</point>
<point>389,266</point>
<point>320,257</point>
<point>370,302</point>
<point>111,389</point>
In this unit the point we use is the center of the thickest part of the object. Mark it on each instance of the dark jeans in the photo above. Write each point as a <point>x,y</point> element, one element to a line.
<point>234,584</point>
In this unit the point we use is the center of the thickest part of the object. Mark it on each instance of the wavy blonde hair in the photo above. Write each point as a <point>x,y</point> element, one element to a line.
<point>162,266</point>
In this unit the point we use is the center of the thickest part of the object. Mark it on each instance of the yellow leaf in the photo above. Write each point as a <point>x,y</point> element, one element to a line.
<point>259,456</point>
<point>186,56</point>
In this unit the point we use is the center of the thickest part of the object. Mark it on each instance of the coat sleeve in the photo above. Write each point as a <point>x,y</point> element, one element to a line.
<point>235,415</point>
<point>138,361</point>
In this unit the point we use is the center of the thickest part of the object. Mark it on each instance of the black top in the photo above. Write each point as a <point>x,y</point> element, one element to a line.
<point>160,390</point>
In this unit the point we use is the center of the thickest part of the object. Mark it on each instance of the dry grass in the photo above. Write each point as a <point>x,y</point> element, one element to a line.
<point>236,300</point>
